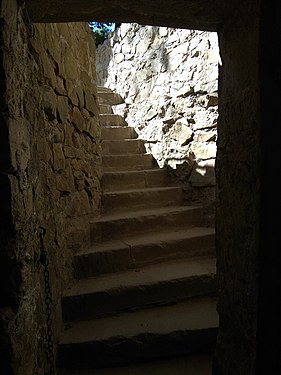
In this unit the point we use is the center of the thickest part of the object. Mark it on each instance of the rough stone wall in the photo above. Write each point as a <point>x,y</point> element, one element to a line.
<point>49,173</point>
<point>168,79</point>
<point>71,141</point>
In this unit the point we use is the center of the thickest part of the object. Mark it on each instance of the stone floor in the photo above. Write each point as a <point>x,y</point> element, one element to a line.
<point>194,365</point>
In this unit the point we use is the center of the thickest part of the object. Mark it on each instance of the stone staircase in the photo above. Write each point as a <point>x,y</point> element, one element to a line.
<point>145,288</point>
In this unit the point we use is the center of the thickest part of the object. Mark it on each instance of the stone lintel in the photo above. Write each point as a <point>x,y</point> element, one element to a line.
<point>201,14</point>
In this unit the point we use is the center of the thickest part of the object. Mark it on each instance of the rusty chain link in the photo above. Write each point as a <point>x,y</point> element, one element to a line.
<point>48,303</point>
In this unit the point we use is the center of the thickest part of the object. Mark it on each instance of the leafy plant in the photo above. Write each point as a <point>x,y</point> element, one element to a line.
<point>101,30</point>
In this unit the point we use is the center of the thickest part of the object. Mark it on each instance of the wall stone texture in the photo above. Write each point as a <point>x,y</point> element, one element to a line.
<point>169,80</point>
<point>51,174</point>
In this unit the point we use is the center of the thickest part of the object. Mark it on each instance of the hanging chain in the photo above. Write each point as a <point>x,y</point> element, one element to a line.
<point>48,303</point>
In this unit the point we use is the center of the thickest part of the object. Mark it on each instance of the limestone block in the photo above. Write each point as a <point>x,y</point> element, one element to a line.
<point>163,31</point>
<point>181,132</point>
<point>48,68</point>
<point>173,38</point>
<point>49,102</point>
<point>127,48</point>
<point>142,46</point>
<point>184,90</point>
<point>157,66</point>
<point>90,102</point>
<point>64,180</point>
<point>77,140</point>
<point>151,113</point>
<point>85,113</point>
<point>58,135</point>
<point>58,157</point>
<point>60,88</point>
<point>80,95</point>
<point>174,62</point>
<point>156,43</point>
<point>70,66</point>
<point>204,118</point>
<point>83,53</point>
<point>54,48</point>
<point>70,152</point>
<point>157,91</point>
<point>19,143</point>
<point>79,204</point>
<point>43,149</point>
<point>205,85</point>
<point>117,48</point>
<point>68,131</point>
<point>93,127</point>
<point>80,154</point>
<point>71,92</point>
<point>119,58</point>
<point>176,89</point>
<point>153,132</point>
<point>204,151</point>
<point>162,79</point>
<point>78,119</point>
<point>79,177</point>
<point>124,29</point>
<point>144,93</point>
<point>205,135</point>
<point>63,108</point>
<point>203,174</point>
<point>143,75</point>
<point>171,115</point>
<point>212,100</point>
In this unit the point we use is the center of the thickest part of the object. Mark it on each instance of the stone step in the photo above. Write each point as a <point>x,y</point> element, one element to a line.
<point>109,97</point>
<point>113,163</point>
<point>145,249</point>
<point>134,179</point>
<point>103,89</point>
<point>124,146</point>
<point>112,120</point>
<point>112,226</point>
<point>167,331</point>
<point>118,132</point>
<point>193,364</point>
<point>130,200</point>
<point>105,109</point>
<point>162,283</point>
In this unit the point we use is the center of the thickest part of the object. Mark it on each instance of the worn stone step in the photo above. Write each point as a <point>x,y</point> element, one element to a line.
<point>112,226</point>
<point>127,162</point>
<point>193,364</point>
<point>162,283</point>
<point>109,97</point>
<point>140,250</point>
<point>118,132</point>
<point>104,89</point>
<point>130,200</point>
<point>183,328</point>
<point>112,120</point>
<point>105,109</point>
<point>117,147</point>
<point>134,179</point>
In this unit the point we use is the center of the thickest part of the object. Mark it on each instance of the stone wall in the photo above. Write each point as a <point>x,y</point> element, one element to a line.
<point>50,138</point>
<point>168,79</point>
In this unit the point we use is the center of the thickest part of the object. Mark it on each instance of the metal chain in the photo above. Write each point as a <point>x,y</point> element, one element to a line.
<point>48,303</point>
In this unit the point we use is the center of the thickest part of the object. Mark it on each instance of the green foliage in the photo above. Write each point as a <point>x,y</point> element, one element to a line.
<point>101,30</point>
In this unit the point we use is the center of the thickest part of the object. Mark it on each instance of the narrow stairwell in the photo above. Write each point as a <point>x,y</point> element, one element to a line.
<point>146,287</point>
